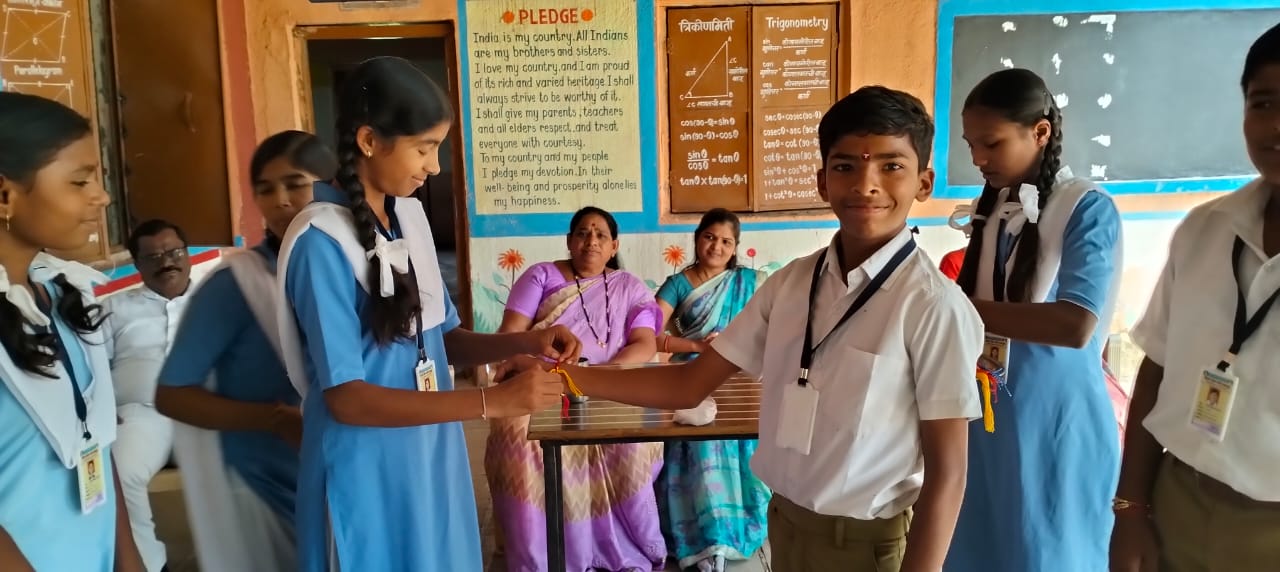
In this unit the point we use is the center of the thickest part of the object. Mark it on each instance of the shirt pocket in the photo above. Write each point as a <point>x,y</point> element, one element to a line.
<point>861,385</point>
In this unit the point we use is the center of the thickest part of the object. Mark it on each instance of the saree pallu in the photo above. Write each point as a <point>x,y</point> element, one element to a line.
<point>710,503</point>
<point>611,517</point>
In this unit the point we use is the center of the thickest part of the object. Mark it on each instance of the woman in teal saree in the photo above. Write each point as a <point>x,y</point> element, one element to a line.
<point>712,508</point>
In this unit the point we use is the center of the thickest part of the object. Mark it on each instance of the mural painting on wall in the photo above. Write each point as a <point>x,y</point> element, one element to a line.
<point>554,106</point>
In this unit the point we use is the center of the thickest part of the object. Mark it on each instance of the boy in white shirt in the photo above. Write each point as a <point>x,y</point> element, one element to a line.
<point>875,420</point>
<point>1198,488</point>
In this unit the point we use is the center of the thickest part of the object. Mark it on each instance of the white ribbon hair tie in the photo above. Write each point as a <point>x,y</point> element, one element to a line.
<point>393,256</point>
<point>962,212</point>
<point>1029,196</point>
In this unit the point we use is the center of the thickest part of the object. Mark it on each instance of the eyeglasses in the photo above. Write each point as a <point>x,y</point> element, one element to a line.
<point>176,255</point>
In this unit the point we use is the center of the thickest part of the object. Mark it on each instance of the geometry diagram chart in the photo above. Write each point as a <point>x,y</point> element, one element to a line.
<point>34,35</point>
<point>41,50</point>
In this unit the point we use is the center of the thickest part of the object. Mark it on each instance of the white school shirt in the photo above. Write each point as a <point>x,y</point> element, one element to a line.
<point>140,328</point>
<point>1188,326</point>
<point>908,355</point>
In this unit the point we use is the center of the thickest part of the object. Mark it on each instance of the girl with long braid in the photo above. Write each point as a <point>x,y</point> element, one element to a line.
<point>367,331</point>
<point>1042,271</point>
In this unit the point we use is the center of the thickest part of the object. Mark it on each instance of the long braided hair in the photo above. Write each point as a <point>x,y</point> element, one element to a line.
<point>1022,97</point>
<point>394,99</point>
<point>32,132</point>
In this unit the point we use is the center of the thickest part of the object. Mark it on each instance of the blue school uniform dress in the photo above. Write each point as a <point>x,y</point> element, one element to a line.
<point>220,335</point>
<point>39,498</point>
<point>393,498</point>
<point>1040,486</point>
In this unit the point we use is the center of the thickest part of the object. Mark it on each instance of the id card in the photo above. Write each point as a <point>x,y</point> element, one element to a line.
<point>93,489</point>
<point>799,411</point>
<point>1214,396</point>
<point>995,353</point>
<point>425,374</point>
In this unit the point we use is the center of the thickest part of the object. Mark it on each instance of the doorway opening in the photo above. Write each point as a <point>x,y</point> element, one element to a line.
<point>331,53</point>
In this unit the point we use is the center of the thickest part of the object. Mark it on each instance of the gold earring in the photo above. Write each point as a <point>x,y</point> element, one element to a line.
<point>368,153</point>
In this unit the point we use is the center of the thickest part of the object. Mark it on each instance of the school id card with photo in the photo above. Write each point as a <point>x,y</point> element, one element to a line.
<point>425,375</point>
<point>1215,394</point>
<point>92,482</point>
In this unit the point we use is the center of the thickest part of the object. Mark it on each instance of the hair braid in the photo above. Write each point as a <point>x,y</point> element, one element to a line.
<point>1024,263</point>
<point>390,320</point>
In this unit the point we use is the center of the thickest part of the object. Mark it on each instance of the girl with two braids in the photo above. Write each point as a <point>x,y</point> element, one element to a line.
<point>1042,270</point>
<point>59,509</point>
<point>367,331</point>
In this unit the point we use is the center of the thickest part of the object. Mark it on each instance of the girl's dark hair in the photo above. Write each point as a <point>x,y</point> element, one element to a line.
<point>613,263</point>
<point>718,216</point>
<point>32,132</point>
<point>302,150</point>
<point>1019,96</point>
<point>394,99</point>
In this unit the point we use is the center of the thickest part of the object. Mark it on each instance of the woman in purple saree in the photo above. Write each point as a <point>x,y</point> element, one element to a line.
<point>611,514</point>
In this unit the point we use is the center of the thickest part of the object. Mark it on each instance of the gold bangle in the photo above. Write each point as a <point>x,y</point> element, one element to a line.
<point>1119,504</point>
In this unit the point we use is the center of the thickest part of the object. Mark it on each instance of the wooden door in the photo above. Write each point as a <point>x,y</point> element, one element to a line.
<point>173,135</point>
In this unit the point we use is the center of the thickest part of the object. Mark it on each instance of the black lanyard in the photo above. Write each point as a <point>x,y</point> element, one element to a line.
<point>810,349</point>
<point>1243,328</point>
<point>60,350</point>
<point>393,233</point>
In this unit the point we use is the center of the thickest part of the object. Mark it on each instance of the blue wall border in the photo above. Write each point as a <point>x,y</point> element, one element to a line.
<point>949,10</point>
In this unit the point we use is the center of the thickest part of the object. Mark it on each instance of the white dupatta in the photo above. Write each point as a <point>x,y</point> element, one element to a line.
<point>49,401</point>
<point>417,245</point>
<point>234,529</point>
<point>1052,224</point>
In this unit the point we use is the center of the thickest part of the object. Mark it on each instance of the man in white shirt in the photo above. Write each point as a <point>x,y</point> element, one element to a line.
<point>1199,485</point>
<point>140,326</point>
<point>875,419</point>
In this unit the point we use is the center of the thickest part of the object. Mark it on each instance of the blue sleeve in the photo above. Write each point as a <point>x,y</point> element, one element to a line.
<point>321,287</point>
<point>451,319</point>
<point>1088,253</point>
<point>216,316</point>
<point>675,289</point>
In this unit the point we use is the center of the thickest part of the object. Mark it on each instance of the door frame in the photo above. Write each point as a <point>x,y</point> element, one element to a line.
<point>406,31</point>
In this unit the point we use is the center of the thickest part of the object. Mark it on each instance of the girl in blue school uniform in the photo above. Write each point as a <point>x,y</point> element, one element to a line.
<point>1042,270</point>
<point>224,381</point>
<point>58,486</point>
<point>368,330</point>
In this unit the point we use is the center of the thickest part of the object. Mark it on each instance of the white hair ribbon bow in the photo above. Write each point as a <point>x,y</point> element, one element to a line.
<point>962,212</point>
<point>21,299</point>
<point>393,256</point>
<point>1029,196</point>
<point>82,277</point>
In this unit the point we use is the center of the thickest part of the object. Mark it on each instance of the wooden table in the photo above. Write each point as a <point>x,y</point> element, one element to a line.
<point>604,422</point>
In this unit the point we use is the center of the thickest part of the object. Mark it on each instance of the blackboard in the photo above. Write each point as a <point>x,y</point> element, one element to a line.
<point>1149,95</point>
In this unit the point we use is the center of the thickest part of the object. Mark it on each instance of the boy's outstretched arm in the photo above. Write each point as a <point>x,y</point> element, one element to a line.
<point>945,445</point>
<point>671,387</point>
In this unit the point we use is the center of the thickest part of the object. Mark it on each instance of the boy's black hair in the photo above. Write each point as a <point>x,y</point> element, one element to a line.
<point>1264,51</point>
<point>151,228</point>
<point>878,110</point>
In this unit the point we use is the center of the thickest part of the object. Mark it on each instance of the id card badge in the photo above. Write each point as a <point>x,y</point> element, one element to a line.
<point>995,353</point>
<point>93,489</point>
<point>1215,395</point>
<point>425,374</point>
<point>799,411</point>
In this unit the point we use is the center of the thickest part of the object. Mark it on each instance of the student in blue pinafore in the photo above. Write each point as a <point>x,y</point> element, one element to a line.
<point>1042,270</point>
<point>368,332</point>
<point>229,331</point>
<point>58,486</point>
